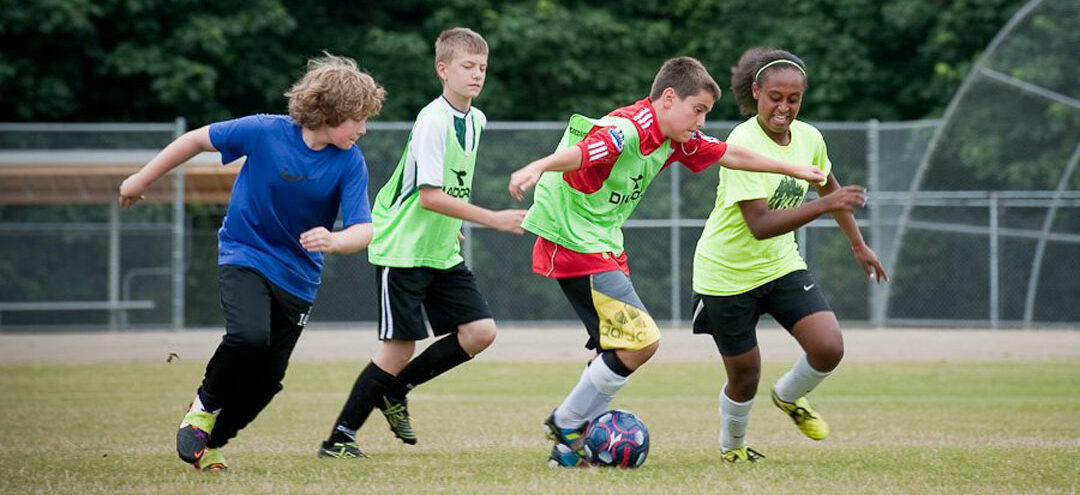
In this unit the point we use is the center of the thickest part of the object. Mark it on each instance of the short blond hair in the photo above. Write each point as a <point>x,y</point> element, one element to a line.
<point>333,90</point>
<point>458,40</point>
<point>687,76</point>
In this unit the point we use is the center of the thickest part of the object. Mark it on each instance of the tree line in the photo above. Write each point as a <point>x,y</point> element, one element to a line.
<point>153,60</point>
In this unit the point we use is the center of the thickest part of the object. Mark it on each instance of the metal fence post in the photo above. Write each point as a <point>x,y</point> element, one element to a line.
<point>114,264</point>
<point>676,249</point>
<point>873,182</point>
<point>994,269</point>
<point>178,237</point>
<point>801,240</point>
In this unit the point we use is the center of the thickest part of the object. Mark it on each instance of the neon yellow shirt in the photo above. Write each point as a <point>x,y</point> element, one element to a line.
<point>728,259</point>
<point>405,234</point>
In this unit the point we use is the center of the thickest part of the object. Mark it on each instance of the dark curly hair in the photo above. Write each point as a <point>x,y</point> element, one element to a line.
<point>744,71</point>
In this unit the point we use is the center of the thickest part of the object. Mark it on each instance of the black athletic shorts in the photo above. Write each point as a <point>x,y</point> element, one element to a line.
<point>255,308</point>
<point>732,320</point>
<point>449,297</point>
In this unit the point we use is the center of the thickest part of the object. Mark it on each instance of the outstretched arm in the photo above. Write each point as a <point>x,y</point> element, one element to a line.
<point>740,158</point>
<point>560,161</point>
<point>864,256</point>
<point>434,199</point>
<point>179,151</point>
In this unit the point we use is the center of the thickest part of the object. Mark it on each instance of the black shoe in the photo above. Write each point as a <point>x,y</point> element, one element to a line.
<point>396,412</point>
<point>341,450</point>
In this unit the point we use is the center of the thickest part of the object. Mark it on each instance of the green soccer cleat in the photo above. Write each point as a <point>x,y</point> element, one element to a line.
<point>211,460</point>
<point>806,418</point>
<point>397,414</point>
<point>341,450</point>
<point>193,434</point>
<point>741,454</point>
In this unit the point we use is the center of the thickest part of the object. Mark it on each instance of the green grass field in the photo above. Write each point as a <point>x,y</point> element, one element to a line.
<point>1008,427</point>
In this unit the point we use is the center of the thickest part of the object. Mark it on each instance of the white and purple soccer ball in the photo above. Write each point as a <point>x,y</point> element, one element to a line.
<point>617,438</point>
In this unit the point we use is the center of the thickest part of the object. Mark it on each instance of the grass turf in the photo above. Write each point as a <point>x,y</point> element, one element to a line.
<point>1009,427</point>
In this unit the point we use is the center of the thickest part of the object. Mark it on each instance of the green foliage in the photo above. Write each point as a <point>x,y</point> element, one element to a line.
<point>128,60</point>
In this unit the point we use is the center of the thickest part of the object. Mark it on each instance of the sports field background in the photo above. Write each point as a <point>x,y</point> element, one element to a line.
<point>912,411</point>
<point>556,343</point>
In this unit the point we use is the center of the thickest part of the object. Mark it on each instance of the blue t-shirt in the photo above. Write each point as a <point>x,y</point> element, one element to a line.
<point>283,190</point>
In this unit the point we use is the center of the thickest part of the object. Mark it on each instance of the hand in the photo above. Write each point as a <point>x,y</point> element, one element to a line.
<point>131,190</point>
<point>846,198</point>
<point>868,260</point>
<point>523,180</point>
<point>508,221</point>
<point>813,175</point>
<point>319,240</point>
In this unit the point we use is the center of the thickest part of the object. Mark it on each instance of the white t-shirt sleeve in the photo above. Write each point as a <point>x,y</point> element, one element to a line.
<point>429,147</point>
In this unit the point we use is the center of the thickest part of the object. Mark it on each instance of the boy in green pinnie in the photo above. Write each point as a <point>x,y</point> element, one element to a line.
<point>417,220</point>
<point>585,191</point>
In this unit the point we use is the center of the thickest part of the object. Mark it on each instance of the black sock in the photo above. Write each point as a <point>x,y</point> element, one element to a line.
<point>369,388</point>
<point>615,364</point>
<point>440,357</point>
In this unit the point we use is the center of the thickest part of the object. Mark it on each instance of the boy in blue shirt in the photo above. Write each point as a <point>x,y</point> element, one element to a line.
<point>300,169</point>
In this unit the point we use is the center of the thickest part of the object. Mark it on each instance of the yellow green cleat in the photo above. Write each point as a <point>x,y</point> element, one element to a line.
<point>741,454</point>
<point>211,460</point>
<point>806,418</point>
<point>193,434</point>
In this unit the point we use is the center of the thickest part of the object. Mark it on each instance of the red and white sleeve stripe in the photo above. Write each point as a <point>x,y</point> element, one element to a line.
<point>599,148</point>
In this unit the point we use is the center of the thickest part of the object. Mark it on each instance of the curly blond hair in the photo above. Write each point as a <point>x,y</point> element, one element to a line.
<point>333,90</point>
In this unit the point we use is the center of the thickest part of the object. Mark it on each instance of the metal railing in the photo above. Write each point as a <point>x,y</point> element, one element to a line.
<point>883,156</point>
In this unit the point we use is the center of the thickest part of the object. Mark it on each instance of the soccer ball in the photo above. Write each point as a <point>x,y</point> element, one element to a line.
<point>617,438</point>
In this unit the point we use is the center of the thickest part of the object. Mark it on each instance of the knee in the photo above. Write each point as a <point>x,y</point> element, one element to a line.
<point>634,359</point>
<point>477,336</point>
<point>646,353</point>
<point>394,355</point>
<point>742,385</point>
<point>827,356</point>
<point>649,351</point>
<point>273,379</point>
<point>248,341</point>
<point>269,388</point>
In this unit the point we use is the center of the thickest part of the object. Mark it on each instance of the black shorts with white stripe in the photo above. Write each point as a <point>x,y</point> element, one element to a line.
<point>732,320</point>
<point>449,297</point>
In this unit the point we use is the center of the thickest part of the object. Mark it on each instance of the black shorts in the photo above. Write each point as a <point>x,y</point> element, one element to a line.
<point>255,309</point>
<point>732,320</point>
<point>449,297</point>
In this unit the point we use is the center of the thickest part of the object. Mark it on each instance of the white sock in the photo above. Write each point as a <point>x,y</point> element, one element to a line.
<point>734,416</point>
<point>799,381</point>
<point>197,405</point>
<point>591,395</point>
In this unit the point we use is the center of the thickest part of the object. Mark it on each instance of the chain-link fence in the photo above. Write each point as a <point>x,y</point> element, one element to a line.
<point>965,255</point>
<point>67,255</point>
